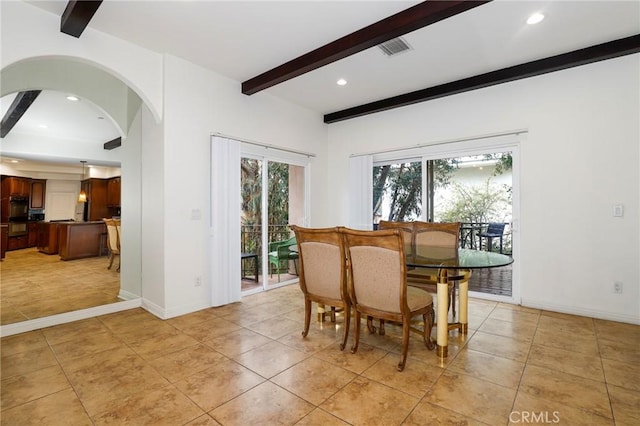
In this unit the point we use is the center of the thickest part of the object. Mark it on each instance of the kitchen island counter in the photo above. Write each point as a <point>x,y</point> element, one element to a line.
<point>81,239</point>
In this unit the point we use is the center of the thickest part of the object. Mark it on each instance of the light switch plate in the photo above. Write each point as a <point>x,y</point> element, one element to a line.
<point>618,210</point>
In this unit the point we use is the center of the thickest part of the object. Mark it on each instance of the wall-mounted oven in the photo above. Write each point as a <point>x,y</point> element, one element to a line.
<point>18,209</point>
<point>17,229</point>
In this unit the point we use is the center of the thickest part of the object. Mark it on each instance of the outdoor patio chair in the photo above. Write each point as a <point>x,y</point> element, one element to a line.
<point>280,251</point>
<point>494,230</point>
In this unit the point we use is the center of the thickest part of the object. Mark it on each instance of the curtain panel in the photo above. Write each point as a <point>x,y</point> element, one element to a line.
<point>225,221</point>
<point>360,201</point>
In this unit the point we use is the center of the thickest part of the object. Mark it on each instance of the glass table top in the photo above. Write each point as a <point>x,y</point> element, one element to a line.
<point>439,257</point>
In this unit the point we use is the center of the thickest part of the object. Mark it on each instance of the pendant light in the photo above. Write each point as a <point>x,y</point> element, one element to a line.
<point>82,197</point>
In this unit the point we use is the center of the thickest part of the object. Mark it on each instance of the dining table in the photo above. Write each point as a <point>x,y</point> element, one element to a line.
<point>453,265</point>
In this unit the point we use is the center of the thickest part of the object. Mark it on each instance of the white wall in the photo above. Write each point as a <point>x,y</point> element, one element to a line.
<point>581,157</point>
<point>28,32</point>
<point>131,210</point>
<point>152,219</point>
<point>197,103</point>
<point>19,144</point>
<point>174,167</point>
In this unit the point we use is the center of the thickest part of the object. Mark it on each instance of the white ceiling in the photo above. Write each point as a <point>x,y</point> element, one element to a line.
<point>52,115</point>
<point>242,39</point>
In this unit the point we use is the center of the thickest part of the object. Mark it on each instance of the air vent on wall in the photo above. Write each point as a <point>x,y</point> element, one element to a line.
<point>394,46</point>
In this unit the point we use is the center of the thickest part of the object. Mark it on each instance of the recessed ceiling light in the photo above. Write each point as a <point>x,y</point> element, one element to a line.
<point>73,98</point>
<point>341,82</point>
<point>535,18</point>
<point>14,161</point>
<point>43,126</point>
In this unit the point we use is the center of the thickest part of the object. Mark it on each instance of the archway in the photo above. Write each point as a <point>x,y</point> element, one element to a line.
<point>122,105</point>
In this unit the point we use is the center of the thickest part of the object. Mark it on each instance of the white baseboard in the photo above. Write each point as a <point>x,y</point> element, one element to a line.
<point>127,295</point>
<point>156,310</point>
<point>573,310</point>
<point>38,323</point>
<point>164,314</point>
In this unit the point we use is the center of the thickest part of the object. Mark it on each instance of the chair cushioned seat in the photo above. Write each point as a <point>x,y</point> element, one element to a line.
<point>418,298</point>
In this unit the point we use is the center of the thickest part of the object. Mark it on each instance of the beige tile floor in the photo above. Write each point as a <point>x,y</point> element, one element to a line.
<point>246,364</point>
<point>36,285</point>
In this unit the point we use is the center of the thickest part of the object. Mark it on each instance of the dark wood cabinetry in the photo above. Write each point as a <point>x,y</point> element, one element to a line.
<point>17,243</point>
<point>32,229</point>
<point>38,191</point>
<point>80,239</point>
<point>11,188</point>
<point>15,186</point>
<point>47,239</point>
<point>96,207</point>
<point>4,241</point>
<point>113,192</point>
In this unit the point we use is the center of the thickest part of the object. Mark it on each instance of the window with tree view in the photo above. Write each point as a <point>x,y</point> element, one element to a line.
<point>472,189</point>
<point>397,192</point>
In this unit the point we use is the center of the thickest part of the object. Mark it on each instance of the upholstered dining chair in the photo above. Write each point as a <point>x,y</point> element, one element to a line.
<point>430,234</point>
<point>322,272</point>
<point>113,240</point>
<point>378,285</point>
<point>406,231</point>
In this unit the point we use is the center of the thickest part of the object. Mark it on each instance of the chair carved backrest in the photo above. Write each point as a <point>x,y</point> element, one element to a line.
<point>323,273</point>
<point>377,271</point>
<point>406,231</point>
<point>322,264</point>
<point>378,285</point>
<point>436,235</point>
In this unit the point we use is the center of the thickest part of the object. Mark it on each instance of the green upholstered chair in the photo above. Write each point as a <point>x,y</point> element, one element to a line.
<point>280,251</point>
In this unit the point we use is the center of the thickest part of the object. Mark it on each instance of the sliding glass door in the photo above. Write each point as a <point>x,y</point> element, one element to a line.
<point>273,197</point>
<point>457,183</point>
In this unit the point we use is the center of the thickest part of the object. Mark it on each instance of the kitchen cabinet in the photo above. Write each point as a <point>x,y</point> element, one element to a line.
<point>47,240</point>
<point>81,239</point>
<point>32,233</point>
<point>17,243</point>
<point>96,206</point>
<point>113,192</point>
<point>37,193</point>
<point>16,186</point>
<point>4,234</point>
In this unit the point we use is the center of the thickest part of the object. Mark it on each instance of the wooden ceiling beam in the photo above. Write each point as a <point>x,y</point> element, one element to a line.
<point>77,15</point>
<point>600,52</point>
<point>19,106</point>
<point>113,143</point>
<point>418,16</point>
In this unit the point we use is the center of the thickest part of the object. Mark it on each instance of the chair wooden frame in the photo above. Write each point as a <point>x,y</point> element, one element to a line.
<point>442,234</point>
<point>406,231</point>
<point>323,272</point>
<point>113,240</point>
<point>376,269</point>
<point>438,235</point>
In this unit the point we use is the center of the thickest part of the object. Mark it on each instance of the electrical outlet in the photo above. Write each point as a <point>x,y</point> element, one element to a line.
<point>617,287</point>
<point>198,281</point>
